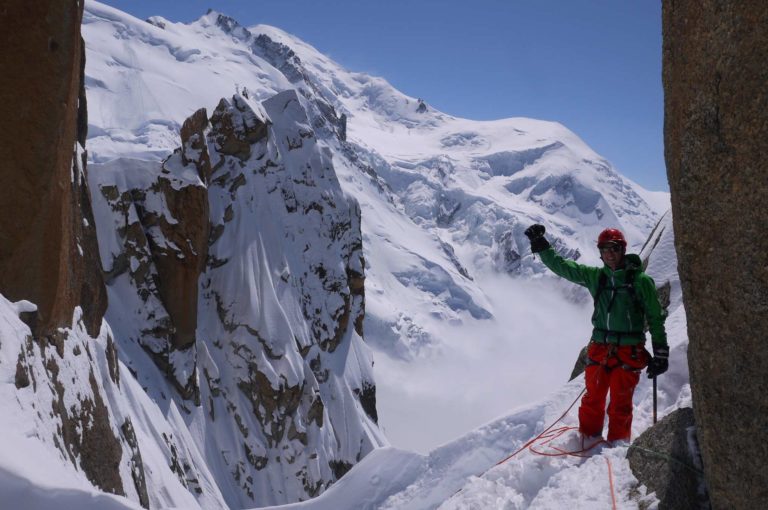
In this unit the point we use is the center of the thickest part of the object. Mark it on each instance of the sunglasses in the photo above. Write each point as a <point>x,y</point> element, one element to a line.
<point>615,248</point>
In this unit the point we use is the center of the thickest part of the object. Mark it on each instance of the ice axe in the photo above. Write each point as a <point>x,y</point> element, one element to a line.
<point>654,400</point>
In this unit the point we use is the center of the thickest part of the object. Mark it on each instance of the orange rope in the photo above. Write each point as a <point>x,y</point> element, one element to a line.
<point>532,441</point>
<point>610,479</point>
<point>550,435</point>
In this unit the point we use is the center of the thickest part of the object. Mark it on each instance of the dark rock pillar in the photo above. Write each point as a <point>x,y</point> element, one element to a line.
<point>179,268</point>
<point>716,136</point>
<point>48,251</point>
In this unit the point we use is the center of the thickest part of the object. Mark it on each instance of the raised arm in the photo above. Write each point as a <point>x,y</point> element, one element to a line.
<point>579,274</point>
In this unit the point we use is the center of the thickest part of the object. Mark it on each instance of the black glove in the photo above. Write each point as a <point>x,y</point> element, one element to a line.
<point>535,234</point>
<point>660,361</point>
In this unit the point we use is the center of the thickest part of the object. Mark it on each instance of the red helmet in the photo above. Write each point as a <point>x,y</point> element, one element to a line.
<point>611,235</point>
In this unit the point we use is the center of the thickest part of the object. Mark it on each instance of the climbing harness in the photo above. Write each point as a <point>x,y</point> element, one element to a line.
<point>612,354</point>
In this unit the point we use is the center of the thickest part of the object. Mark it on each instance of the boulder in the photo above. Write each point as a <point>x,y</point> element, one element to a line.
<point>665,459</point>
<point>716,139</point>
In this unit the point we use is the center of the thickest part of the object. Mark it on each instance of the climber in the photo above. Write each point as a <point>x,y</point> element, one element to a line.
<point>625,299</point>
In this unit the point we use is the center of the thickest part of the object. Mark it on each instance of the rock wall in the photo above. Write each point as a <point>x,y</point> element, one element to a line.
<point>716,138</point>
<point>48,252</point>
<point>49,260</point>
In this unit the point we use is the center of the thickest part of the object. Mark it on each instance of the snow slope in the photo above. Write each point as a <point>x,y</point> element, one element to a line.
<point>65,388</point>
<point>463,474</point>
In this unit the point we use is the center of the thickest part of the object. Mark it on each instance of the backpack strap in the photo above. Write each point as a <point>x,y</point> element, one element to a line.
<point>629,284</point>
<point>601,283</point>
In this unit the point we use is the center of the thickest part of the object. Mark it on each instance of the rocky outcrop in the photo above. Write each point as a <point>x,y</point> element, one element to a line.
<point>324,117</point>
<point>238,265</point>
<point>48,252</point>
<point>283,303</point>
<point>580,365</point>
<point>68,375</point>
<point>182,255</point>
<point>716,138</point>
<point>665,459</point>
<point>157,242</point>
<point>178,239</point>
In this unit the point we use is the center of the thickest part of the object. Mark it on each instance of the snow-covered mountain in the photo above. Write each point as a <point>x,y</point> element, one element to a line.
<point>264,216</point>
<point>444,200</point>
<point>273,373</point>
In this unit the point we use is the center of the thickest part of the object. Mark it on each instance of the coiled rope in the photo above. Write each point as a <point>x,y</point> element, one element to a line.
<point>549,434</point>
<point>544,432</point>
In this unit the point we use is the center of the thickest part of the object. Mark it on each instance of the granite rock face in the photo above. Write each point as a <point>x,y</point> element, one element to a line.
<point>48,251</point>
<point>716,138</point>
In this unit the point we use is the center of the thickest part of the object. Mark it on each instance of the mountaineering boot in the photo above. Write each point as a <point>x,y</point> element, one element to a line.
<point>589,442</point>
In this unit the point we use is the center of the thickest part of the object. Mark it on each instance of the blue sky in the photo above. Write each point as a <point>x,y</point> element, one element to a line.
<point>593,65</point>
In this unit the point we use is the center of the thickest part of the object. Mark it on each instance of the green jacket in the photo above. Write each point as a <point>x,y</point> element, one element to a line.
<point>619,317</point>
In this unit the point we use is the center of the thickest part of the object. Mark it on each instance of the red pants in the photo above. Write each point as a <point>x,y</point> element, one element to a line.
<point>614,369</point>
